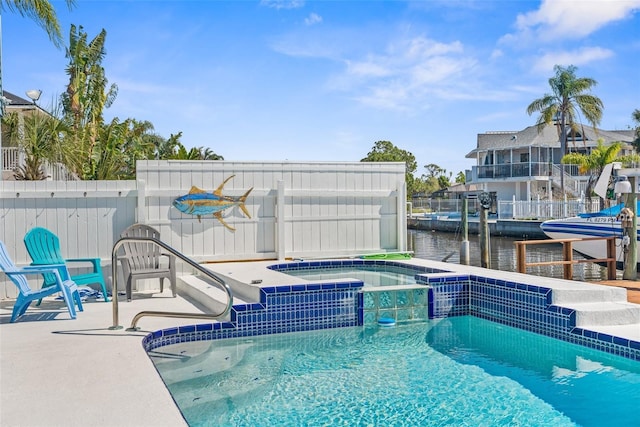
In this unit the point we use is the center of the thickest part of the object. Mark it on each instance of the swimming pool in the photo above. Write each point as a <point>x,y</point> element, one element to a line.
<point>454,371</point>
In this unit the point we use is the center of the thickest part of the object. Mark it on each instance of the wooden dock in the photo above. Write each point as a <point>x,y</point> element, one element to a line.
<point>632,286</point>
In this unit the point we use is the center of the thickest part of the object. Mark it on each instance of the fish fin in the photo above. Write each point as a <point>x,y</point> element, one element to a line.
<point>218,216</point>
<point>218,191</point>
<point>196,190</point>
<point>242,200</point>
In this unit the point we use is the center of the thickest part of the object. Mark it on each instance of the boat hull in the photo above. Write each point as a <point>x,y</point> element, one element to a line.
<point>579,227</point>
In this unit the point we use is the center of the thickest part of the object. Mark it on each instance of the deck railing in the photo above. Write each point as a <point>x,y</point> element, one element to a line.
<point>567,255</point>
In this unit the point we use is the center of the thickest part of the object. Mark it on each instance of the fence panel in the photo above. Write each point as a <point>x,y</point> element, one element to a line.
<point>330,209</point>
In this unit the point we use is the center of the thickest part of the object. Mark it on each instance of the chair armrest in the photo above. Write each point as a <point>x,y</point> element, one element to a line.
<point>46,268</point>
<point>39,270</point>
<point>36,266</point>
<point>94,261</point>
<point>172,259</point>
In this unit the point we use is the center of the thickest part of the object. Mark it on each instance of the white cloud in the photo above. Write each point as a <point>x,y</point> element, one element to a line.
<point>283,4</point>
<point>567,19</point>
<point>576,57</point>
<point>313,19</point>
<point>404,75</point>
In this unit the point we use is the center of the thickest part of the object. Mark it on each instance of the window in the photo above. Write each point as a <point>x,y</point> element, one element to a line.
<point>524,157</point>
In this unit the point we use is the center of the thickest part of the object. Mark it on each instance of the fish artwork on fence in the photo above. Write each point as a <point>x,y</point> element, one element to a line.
<point>200,202</point>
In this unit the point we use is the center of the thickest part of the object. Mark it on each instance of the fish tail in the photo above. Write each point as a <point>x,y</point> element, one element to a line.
<point>242,200</point>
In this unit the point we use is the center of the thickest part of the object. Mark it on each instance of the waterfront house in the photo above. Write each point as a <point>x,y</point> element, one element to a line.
<point>526,164</point>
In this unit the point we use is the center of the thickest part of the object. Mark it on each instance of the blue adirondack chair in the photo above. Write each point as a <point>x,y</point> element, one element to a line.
<point>62,284</point>
<point>44,248</point>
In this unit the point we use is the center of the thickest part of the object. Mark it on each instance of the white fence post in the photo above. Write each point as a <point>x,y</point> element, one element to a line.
<point>280,227</point>
<point>141,211</point>
<point>401,207</point>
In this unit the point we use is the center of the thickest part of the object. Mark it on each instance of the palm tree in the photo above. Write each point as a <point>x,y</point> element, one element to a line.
<point>595,162</point>
<point>86,96</point>
<point>40,137</point>
<point>195,153</point>
<point>44,15</point>
<point>40,11</point>
<point>570,96</point>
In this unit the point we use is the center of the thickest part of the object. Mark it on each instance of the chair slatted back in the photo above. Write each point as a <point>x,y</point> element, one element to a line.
<point>44,248</point>
<point>142,255</point>
<point>6,264</point>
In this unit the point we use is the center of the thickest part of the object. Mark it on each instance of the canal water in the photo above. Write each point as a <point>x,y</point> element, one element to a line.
<point>437,245</point>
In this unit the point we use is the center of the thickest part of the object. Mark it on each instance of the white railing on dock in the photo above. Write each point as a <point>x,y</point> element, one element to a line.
<point>545,209</point>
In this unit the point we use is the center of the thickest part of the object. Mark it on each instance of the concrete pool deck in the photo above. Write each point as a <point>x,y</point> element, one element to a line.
<point>57,371</point>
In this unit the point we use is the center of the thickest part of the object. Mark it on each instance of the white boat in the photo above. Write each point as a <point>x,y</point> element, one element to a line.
<point>605,223</point>
<point>599,224</point>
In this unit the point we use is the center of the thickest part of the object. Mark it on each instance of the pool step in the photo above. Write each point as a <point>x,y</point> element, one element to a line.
<point>606,313</point>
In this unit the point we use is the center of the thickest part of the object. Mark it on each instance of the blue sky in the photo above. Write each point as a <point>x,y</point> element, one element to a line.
<point>324,80</point>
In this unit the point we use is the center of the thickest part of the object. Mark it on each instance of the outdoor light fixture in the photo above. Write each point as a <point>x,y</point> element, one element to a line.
<point>622,185</point>
<point>34,94</point>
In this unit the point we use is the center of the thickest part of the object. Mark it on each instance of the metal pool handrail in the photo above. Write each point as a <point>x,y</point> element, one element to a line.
<point>114,274</point>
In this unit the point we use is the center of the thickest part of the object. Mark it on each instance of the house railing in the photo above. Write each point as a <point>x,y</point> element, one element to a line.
<point>13,157</point>
<point>545,209</point>
<point>521,170</point>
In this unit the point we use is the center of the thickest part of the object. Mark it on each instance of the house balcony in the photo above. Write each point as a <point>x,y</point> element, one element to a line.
<point>521,171</point>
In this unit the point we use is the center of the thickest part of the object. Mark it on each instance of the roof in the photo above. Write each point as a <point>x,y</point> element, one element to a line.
<point>548,137</point>
<point>15,100</point>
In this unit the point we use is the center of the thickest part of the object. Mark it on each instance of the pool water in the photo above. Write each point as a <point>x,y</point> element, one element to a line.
<point>461,371</point>
<point>370,275</point>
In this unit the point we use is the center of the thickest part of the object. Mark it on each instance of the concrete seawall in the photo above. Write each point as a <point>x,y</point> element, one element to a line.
<point>497,227</point>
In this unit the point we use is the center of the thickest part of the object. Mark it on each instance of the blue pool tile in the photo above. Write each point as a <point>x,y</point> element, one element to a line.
<point>204,327</point>
<point>170,331</point>
<point>605,337</point>
<point>185,329</point>
<point>621,341</point>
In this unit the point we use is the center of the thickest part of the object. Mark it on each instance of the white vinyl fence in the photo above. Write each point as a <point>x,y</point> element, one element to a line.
<point>313,209</point>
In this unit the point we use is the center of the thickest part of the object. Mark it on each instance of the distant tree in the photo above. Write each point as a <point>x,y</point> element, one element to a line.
<point>437,176</point>
<point>425,184</point>
<point>569,97</point>
<point>199,153</point>
<point>444,181</point>
<point>461,178</point>
<point>385,151</point>
<point>636,118</point>
<point>434,170</point>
